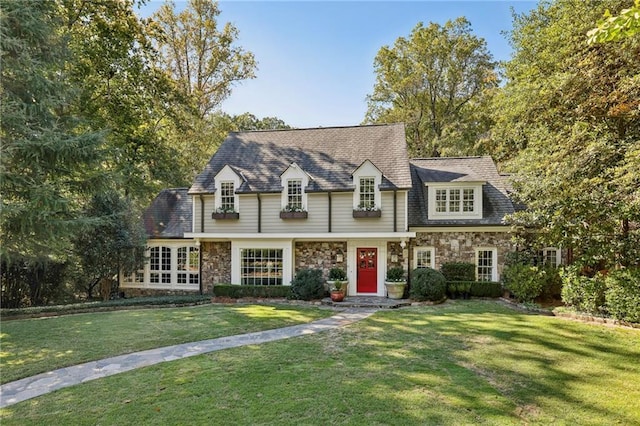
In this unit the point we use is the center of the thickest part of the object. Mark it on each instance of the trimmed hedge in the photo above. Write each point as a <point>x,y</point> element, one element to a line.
<point>622,294</point>
<point>258,291</point>
<point>474,288</point>
<point>116,303</point>
<point>458,271</point>
<point>427,284</point>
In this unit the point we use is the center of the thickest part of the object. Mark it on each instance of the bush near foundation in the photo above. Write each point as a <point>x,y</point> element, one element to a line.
<point>307,285</point>
<point>258,291</point>
<point>427,284</point>
<point>585,294</point>
<point>622,294</point>
<point>458,271</point>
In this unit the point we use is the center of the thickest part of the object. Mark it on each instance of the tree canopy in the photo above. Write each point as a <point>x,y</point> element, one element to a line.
<point>567,123</point>
<point>437,81</point>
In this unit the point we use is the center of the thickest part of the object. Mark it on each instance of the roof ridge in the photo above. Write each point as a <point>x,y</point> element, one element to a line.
<point>450,158</point>
<point>355,126</point>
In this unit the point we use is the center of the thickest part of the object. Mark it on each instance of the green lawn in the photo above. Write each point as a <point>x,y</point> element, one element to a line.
<point>29,347</point>
<point>465,362</point>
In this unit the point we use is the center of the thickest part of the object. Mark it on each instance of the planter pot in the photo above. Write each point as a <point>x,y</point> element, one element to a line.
<point>294,215</point>
<point>225,216</point>
<point>367,213</point>
<point>395,290</point>
<point>337,296</point>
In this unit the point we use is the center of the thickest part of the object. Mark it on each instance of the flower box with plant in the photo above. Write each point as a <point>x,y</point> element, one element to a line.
<point>293,212</point>
<point>395,282</point>
<point>223,213</point>
<point>337,275</point>
<point>365,211</point>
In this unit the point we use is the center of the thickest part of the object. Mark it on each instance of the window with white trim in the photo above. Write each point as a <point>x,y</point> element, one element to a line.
<point>294,194</point>
<point>486,265</point>
<point>424,257</point>
<point>455,200</point>
<point>261,266</point>
<point>367,192</point>
<point>550,256</point>
<point>227,196</point>
<point>160,265</point>
<point>188,265</point>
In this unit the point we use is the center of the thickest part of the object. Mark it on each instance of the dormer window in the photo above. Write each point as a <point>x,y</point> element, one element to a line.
<point>367,192</point>
<point>227,197</point>
<point>294,194</point>
<point>459,201</point>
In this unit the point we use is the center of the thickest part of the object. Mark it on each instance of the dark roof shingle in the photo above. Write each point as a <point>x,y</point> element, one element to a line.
<point>329,155</point>
<point>169,215</point>
<point>495,190</point>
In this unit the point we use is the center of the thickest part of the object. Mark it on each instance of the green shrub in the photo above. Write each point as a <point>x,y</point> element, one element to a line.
<point>259,291</point>
<point>337,274</point>
<point>458,271</point>
<point>427,284</point>
<point>395,274</point>
<point>459,289</point>
<point>486,289</point>
<point>524,282</point>
<point>583,293</point>
<point>307,285</point>
<point>622,295</point>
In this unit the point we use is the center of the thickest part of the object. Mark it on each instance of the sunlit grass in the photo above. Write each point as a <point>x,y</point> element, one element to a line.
<point>37,345</point>
<point>462,363</point>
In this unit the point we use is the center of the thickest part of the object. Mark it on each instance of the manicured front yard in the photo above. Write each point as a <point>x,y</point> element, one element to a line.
<point>29,347</point>
<point>468,362</point>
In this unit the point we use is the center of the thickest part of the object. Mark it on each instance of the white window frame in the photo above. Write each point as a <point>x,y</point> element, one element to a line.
<point>432,255</point>
<point>226,196</point>
<point>226,175</point>
<point>236,257</point>
<point>558,256</point>
<point>436,200</point>
<point>367,170</point>
<point>494,262</point>
<point>294,173</point>
<point>294,197</point>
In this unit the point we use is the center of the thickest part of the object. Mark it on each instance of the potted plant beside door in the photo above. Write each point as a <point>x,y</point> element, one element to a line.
<point>395,283</point>
<point>337,283</point>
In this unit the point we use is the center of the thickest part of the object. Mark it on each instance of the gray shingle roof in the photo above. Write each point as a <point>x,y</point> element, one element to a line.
<point>329,155</point>
<point>169,215</point>
<point>495,192</point>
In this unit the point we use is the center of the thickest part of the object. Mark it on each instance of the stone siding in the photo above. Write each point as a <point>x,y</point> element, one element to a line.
<point>216,265</point>
<point>461,246</point>
<point>320,255</point>
<point>394,249</point>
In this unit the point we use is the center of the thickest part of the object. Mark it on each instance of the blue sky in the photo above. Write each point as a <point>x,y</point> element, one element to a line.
<point>315,58</point>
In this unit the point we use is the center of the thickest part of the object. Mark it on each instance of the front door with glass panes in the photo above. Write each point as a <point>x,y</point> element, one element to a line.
<point>367,262</point>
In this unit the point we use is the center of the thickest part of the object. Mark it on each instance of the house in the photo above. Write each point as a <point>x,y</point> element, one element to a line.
<point>270,203</point>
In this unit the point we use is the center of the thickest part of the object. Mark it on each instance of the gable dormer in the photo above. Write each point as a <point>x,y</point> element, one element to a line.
<point>294,180</point>
<point>455,200</point>
<point>367,179</point>
<point>227,182</point>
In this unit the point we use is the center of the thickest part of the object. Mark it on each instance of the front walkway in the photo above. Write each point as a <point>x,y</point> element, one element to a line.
<point>31,387</point>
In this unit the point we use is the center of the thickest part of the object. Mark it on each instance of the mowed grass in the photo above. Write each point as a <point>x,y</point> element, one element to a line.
<point>33,346</point>
<point>465,362</point>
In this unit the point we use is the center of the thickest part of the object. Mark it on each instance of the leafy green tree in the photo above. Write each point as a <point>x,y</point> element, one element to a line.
<point>116,244</point>
<point>616,28</point>
<point>200,56</point>
<point>50,161</point>
<point>438,82</point>
<point>568,123</point>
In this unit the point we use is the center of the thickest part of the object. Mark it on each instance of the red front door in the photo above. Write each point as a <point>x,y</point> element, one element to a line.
<point>367,259</point>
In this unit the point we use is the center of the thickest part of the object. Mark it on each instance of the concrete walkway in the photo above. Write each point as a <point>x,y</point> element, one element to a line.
<point>31,387</point>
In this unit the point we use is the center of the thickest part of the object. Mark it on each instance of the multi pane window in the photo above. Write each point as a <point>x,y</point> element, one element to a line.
<point>294,194</point>
<point>550,257</point>
<point>227,197</point>
<point>188,265</point>
<point>485,265</point>
<point>455,200</point>
<point>160,265</point>
<point>261,266</point>
<point>424,257</point>
<point>367,192</point>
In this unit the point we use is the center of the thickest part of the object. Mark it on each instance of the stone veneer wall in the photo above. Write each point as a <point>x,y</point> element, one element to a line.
<point>320,255</point>
<point>461,246</point>
<point>216,264</point>
<point>403,258</point>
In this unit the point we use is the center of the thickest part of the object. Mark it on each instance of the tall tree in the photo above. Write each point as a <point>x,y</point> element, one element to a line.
<point>438,82</point>
<point>50,159</point>
<point>201,57</point>
<point>570,112</point>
